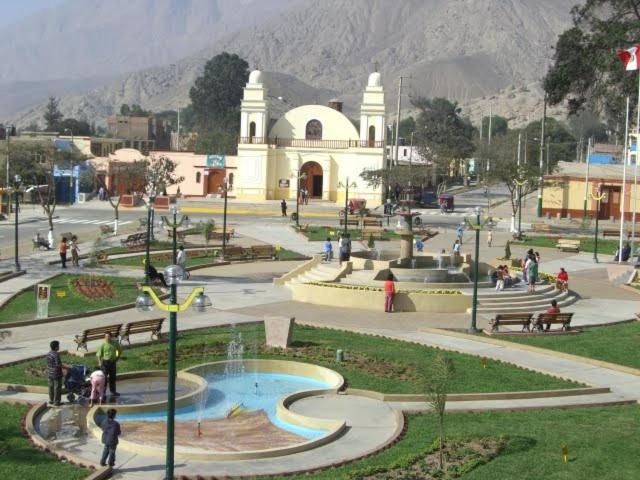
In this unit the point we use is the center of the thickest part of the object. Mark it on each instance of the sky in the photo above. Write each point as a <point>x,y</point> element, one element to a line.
<point>14,10</point>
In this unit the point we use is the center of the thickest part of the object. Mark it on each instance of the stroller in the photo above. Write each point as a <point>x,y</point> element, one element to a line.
<point>77,384</point>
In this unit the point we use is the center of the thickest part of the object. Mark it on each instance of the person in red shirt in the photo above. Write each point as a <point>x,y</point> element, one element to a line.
<point>553,309</point>
<point>389,293</point>
<point>562,280</point>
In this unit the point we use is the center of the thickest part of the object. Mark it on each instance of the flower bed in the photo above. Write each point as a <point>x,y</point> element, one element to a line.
<point>92,288</point>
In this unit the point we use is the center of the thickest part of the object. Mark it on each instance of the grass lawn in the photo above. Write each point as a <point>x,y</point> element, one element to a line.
<point>321,233</point>
<point>18,459</point>
<point>194,258</point>
<point>603,444</point>
<point>615,344</point>
<point>23,305</point>
<point>607,247</point>
<point>372,363</point>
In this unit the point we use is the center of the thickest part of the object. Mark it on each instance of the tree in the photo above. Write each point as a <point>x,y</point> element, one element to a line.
<point>562,144</point>
<point>74,127</point>
<point>52,115</point>
<point>407,126</point>
<point>160,173</point>
<point>585,70</point>
<point>437,382</point>
<point>442,135</point>
<point>134,110</point>
<point>129,177</point>
<point>499,125</point>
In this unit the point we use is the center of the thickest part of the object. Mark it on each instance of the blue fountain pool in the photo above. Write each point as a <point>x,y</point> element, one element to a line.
<point>226,391</point>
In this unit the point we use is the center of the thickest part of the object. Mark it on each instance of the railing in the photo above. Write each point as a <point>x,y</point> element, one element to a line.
<point>304,143</point>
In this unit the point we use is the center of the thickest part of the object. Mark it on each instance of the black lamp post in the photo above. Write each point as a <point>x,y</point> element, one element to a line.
<point>298,178</point>
<point>152,197</point>
<point>224,188</point>
<point>17,181</point>
<point>346,186</point>
<point>598,197</point>
<point>474,307</point>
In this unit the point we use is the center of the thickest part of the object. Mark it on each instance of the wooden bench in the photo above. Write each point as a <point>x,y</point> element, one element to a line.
<point>106,229</point>
<point>563,319</point>
<point>541,227</point>
<point>153,326</point>
<point>40,245</point>
<point>235,253</point>
<point>217,234</point>
<point>353,222</point>
<point>523,319</point>
<point>134,240</point>
<point>371,222</point>
<point>610,232</point>
<point>181,235</point>
<point>263,251</point>
<point>428,234</point>
<point>568,245</point>
<point>96,333</point>
<point>376,232</point>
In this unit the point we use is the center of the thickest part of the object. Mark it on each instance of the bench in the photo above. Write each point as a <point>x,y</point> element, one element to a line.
<point>153,326</point>
<point>40,245</point>
<point>106,229</point>
<point>427,234</point>
<point>610,232</point>
<point>568,245</point>
<point>96,333</point>
<point>181,235</point>
<point>353,222</point>
<point>500,319</point>
<point>263,251</point>
<point>371,222</point>
<point>376,232</point>
<point>235,253</point>
<point>217,234</point>
<point>142,222</point>
<point>541,227</point>
<point>563,319</point>
<point>134,240</point>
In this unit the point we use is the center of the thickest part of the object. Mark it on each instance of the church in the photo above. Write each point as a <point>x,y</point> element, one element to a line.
<point>315,145</point>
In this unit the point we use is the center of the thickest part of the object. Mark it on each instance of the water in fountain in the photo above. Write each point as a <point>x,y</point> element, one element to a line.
<point>235,354</point>
<point>201,401</point>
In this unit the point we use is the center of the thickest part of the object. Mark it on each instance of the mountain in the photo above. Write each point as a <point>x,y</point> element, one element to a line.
<point>462,49</point>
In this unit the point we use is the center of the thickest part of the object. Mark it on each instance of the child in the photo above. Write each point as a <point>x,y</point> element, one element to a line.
<point>328,250</point>
<point>110,433</point>
<point>389,293</point>
<point>98,384</point>
<point>489,238</point>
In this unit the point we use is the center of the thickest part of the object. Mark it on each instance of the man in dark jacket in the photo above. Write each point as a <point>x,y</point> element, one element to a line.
<point>110,433</point>
<point>54,373</point>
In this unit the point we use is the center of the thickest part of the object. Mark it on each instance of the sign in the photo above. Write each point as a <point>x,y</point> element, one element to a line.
<point>284,183</point>
<point>215,161</point>
<point>43,294</point>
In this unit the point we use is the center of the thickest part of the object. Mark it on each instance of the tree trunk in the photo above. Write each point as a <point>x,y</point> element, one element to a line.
<point>441,456</point>
<point>115,223</point>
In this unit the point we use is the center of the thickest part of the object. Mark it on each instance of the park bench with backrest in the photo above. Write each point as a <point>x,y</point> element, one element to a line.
<point>610,232</point>
<point>134,240</point>
<point>263,251</point>
<point>563,319</point>
<point>217,234</point>
<point>106,229</point>
<point>375,232</point>
<point>350,222</point>
<point>235,253</point>
<point>153,326</point>
<point>181,235</point>
<point>96,333</point>
<point>541,227</point>
<point>568,245</point>
<point>523,319</point>
<point>371,222</point>
<point>39,245</point>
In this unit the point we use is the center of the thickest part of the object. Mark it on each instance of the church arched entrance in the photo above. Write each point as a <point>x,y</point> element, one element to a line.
<point>313,182</point>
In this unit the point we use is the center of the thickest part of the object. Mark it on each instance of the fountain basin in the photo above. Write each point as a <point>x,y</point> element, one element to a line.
<point>425,275</point>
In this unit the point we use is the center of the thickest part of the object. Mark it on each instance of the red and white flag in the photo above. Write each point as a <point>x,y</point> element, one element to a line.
<point>629,57</point>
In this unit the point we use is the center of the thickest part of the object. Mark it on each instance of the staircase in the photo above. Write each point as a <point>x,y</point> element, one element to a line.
<point>517,299</point>
<point>323,272</point>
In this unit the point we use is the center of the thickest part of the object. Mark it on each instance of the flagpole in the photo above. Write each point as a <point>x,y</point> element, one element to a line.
<point>624,180</point>
<point>586,184</point>
<point>635,174</point>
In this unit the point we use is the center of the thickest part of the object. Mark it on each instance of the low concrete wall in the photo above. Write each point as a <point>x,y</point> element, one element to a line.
<point>374,299</point>
<point>299,270</point>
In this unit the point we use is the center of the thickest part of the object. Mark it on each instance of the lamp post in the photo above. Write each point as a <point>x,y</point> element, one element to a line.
<point>70,130</point>
<point>17,181</point>
<point>152,196</point>
<point>346,186</point>
<point>224,188</point>
<point>520,182</point>
<point>200,303</point>
<point>474,306</point>
<point>303,176</point>
<point>598,197</point>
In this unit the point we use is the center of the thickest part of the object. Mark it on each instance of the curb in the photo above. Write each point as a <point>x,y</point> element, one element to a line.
<point>12,275</point>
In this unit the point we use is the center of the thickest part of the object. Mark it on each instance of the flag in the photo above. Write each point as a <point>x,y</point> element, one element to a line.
<point>629,57</point>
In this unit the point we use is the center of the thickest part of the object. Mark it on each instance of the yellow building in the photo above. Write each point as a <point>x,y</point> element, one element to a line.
<point>565,191</point>
<point>316,142</point>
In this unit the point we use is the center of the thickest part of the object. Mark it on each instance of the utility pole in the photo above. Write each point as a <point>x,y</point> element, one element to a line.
<point>489,161</point>
<point>398,119</point>
<point>178,137</point>
<point>586,183</point>
<point>541,178</point>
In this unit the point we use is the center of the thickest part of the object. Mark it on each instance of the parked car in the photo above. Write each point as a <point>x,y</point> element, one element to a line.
<point>428,200</point>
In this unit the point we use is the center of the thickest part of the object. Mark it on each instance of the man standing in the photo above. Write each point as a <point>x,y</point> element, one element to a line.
<point>108,355</point>
<point>54,373</point>
<point>62,250</point>
<point>283,207</point>
<point>110,433</point>
<point>459,233</point>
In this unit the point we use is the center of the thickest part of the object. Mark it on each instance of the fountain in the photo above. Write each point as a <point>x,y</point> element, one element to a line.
<point>235,354</point>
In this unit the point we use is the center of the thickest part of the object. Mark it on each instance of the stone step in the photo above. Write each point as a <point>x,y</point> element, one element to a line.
<point>525,308</point>
<point>524,298</point>
<point>515,291</point>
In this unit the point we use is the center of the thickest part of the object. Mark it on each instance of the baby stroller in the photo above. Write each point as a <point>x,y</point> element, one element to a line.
<point>77,383</point>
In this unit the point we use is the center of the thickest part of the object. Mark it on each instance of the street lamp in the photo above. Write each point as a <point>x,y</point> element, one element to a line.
<point>598,197</point>
<point>346,186</point>
<point>17,182</point>
<point>152,197</point>
<point>224,188</point>
<point>303,176</point>
<point>477,227</point>
<point>520,181</point>
<point>145,301</point>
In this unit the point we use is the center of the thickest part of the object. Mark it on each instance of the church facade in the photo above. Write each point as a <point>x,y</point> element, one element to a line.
<point>315,145</point>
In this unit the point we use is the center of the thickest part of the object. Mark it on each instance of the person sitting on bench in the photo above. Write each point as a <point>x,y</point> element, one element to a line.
<point>155,275</point>
<point>553,309</point>
<point>41,242</point>
<point>562,280</point>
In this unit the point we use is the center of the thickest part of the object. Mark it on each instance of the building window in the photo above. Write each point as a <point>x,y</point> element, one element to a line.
<point>372,136</point>
<point>405,152</point>
<point>252,131</point>
<point>230,183</point>
<point>313,131</point>
<point>198,177</point>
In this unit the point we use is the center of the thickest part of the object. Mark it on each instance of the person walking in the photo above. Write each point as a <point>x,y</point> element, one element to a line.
<point>181,261</point>
<point>389,293</point>
<point>460,233</point>
<point>348,247</point>
<point>328,250</point>
<point>489,238</point>
<point>73,246</point>
<point>62,250</point>
<point>108,355</point>
<point>111,431</point>
<point>342,248</point>
<point>283,207</point>
<point>456,248</point>
<point>532,273</point>
<point>54,373</point>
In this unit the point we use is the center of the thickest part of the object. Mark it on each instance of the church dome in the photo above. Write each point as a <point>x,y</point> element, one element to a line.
<point>255,77</point>
<point>375,80</point>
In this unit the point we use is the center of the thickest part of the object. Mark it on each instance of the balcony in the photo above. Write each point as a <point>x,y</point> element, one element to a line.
<point>303,143</point>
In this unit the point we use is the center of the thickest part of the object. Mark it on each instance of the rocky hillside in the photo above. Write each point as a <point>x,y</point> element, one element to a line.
<point>462,49</point>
